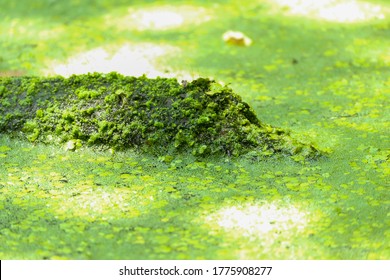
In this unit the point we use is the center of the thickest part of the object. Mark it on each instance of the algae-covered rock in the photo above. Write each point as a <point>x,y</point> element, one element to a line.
<point>154,115</point>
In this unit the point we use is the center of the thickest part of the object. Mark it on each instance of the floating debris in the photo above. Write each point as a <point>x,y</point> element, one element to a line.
<point>236,38</point>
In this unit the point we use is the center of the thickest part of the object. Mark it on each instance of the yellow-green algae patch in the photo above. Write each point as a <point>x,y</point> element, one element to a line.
<point>154,115</point>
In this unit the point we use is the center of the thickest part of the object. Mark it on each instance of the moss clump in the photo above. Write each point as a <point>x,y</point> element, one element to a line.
<point>155,115</point>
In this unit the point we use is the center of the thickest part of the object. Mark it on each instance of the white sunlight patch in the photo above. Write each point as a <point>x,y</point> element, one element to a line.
<point>262,221</point>
<point>160,18</point>
<point>91,203</point>
<point>128,59</point>
<point>344,11</point>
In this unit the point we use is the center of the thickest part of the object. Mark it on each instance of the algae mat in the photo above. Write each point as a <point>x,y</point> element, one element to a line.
<point>154,115</point>
<point>324,76</point>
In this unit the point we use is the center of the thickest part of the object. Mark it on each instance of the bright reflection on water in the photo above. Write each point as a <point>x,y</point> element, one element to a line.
<point>347,11</point>
<point>160,18</point>
<point>128,59</point>
<point>258,220</point>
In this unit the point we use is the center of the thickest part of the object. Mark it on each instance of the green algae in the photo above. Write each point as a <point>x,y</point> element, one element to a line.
<point>153,115</point>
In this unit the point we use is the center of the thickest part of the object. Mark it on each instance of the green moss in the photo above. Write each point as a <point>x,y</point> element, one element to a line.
<point>154,115</point>
<point>32,130</point>
<point>5,103</point>
<point>83,93</point>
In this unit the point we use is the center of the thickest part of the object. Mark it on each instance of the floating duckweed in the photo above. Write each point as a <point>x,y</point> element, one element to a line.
<point>153,115</point>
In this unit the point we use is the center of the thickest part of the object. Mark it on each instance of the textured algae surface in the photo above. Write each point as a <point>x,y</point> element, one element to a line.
<point>154,115</point>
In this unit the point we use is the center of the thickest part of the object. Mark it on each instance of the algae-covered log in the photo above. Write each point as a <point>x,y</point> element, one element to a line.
<point>155,115</point>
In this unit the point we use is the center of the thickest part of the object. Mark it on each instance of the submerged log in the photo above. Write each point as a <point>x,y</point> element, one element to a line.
<point>154,115</point>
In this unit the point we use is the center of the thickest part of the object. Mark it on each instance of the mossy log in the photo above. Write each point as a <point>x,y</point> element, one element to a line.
<point>154,115</point>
